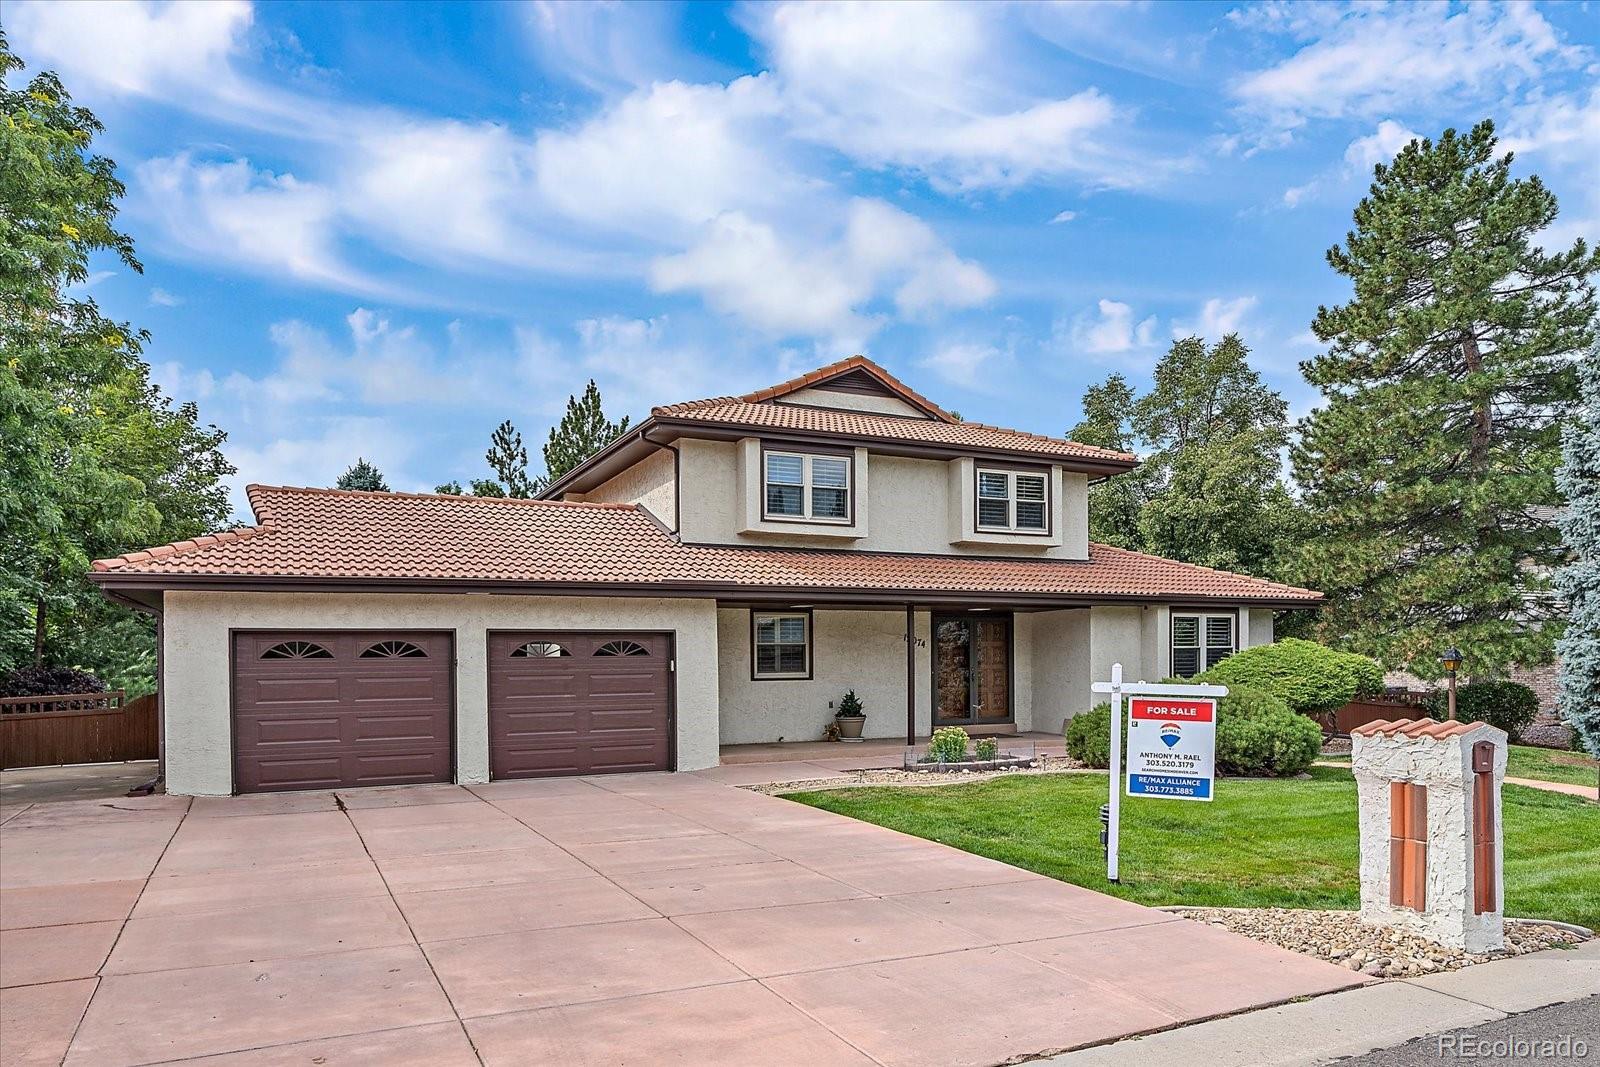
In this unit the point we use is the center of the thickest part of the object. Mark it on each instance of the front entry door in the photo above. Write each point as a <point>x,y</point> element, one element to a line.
<point>971,670</point>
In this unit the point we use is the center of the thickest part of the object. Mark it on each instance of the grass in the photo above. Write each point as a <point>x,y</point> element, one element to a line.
<point>1261,843</point>
<point>1540,764</point>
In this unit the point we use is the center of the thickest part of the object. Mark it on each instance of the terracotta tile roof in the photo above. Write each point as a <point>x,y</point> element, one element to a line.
<point>1431,728</point>
<point>338,534</point>
<point>866,424</point>
<point>844,366</point>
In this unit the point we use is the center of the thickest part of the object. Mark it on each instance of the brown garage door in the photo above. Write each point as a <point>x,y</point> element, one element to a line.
<point>319,708</point>
<point>568,702</point>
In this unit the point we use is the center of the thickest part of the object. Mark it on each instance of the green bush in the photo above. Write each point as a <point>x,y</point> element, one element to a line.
<point>1308,676</point>
<point>1257,734</point>
<point>986,748</point>
<point>1089,736</point>
<point>948,745</point>
<point>1510,706</point>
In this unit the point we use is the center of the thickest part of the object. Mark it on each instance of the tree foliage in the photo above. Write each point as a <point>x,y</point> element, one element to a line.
<point>1579,581</point>
<point>1209,488</point>
<point>582,431</point>
<point>508,458</point>
<point>1309,677</point>
<point>96,461</point>
<point>362,475</point>
<point>1429,467</point>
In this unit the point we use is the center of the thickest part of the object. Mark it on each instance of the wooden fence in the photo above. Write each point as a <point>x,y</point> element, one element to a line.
<point>46,731</point>
<point>1360,712</point>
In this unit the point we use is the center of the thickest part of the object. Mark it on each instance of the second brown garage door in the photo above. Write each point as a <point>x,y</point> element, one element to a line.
<point>579,702</point>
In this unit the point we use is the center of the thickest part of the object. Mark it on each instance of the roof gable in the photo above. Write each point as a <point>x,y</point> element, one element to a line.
<point>857,375</point>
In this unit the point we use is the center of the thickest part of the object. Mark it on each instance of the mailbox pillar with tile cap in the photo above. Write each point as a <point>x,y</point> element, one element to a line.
<point>1430,828</point>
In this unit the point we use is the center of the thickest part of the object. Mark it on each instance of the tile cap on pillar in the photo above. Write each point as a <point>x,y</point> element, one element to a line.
<point>1429,728</point>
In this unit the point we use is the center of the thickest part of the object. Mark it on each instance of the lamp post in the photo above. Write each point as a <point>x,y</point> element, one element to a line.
<point>1452,663</point>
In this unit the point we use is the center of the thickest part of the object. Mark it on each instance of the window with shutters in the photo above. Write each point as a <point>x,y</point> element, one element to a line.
<point>781,645</point>
<point>1013,501</point>
<point>806,486</point>
<point>1201,641</point>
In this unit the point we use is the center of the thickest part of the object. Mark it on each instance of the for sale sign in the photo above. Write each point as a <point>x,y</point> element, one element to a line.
<point>1172,745</point>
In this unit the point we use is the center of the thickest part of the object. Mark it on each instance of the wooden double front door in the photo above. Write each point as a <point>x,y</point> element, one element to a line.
<point>971,670</point>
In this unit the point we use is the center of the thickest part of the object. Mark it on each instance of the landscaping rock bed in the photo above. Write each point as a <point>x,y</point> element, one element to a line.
<point>1004,763</point>
<point>1341,938</point>
<point>895,776</point>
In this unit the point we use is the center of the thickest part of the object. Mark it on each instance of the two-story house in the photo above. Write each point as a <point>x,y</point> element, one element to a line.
<point>719,575</point>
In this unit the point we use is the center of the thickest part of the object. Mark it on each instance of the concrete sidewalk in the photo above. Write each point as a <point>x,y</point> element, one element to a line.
<point>1361,1020</point>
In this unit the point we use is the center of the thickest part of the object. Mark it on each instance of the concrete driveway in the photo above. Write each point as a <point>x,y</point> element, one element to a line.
<point>624,920</point>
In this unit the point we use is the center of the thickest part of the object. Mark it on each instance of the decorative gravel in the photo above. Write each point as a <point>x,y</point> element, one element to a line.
<point>1341,938</point>
<point>1336,746</point>
<point>895,776</point>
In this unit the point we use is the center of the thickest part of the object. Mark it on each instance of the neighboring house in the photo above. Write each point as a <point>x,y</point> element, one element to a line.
<point>719,575</point>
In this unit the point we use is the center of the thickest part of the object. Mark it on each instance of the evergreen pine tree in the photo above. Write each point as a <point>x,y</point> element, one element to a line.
<point>582,431</point>
<point>508,458</point>
<point>1579,580</point>
<point>1429,468</point>
<point>362,475</point>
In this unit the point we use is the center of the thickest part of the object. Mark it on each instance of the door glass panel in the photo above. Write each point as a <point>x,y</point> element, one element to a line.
<point>951,670</point>
<point>992,646</point>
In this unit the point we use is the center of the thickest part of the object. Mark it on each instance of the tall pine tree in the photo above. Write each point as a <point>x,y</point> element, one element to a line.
<point>582,431</point>
<point>508,458</point>
<point>1430,466</point>
<point>1579,580</point>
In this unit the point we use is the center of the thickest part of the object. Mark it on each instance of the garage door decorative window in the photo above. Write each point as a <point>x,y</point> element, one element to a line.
<point>297,650</point>
<point>622,648</point>
<point>393,650</point>
<point>539,648</point>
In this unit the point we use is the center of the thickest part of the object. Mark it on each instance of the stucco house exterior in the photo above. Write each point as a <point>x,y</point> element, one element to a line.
<point>718,575</point>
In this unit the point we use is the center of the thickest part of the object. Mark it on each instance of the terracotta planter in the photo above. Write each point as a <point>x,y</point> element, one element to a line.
<point>850,726</point>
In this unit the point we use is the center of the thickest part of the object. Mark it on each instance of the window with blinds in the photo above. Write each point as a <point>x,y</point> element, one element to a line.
<point>781,646</point>
<point>802,485</point>
<point>1200,642</point>
<point>1013,501</point>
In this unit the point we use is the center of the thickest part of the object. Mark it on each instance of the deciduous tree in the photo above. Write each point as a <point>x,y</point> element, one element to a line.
<point>1430,464</point>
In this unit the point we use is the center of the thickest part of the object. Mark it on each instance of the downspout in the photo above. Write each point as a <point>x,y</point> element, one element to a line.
<point>677,477</point>
<point>147,788</point>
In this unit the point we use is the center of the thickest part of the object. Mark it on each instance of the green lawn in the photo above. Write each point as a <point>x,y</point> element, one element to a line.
<point>1540,764</point>
<point>1261,843</point>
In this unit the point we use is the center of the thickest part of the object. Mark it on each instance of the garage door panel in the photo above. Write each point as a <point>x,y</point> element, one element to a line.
<point>318,709</point>
<point>581,713</point>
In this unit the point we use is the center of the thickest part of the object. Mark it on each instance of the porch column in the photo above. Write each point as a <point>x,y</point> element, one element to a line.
<point>911,675</point>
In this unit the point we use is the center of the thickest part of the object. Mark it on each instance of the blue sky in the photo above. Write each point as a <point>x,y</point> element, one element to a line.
<point>380,229</point>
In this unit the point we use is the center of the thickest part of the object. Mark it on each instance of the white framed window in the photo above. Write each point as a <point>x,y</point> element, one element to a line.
<point>780,644</point>
<point>1201,641</point>
<point>1013,501</point>
<point>806,486</point>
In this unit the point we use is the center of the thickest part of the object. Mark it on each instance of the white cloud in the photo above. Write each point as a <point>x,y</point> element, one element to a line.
<point>608,48</point>
<point>159,297</point>
<point>258,220</point>
<point>1380,146</point>
<point>787,287</point>
<point>935,88</point>
<point>1295,195</point>
<point>1063,216</point>
<point>129,47</point>
<point>1111,329</point>
<point>1360,60</point>
<point>1218,318</point>
<point>962,364</point>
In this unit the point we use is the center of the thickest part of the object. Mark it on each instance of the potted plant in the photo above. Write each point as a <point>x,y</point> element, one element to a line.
<point>850,717</point>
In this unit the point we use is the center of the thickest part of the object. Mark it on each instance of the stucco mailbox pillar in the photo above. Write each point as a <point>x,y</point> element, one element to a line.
<point>1429,813</point>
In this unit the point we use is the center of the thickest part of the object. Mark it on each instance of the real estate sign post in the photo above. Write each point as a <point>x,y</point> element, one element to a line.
<point>1172,735</point>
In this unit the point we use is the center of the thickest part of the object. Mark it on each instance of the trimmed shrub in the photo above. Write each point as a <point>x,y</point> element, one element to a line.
<point>1257,734</point>
<point>1510,706</point>
<point>1309,677</point>
<point>948,745</point>
<point>48,681</point>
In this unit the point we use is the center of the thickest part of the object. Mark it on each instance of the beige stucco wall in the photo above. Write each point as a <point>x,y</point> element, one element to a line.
<point>1260,627</point>
<point>652,483</point>
<point>826,398</point>
<point>197,697</point>
<point>904,505</point>
<point>1060,667</point>
<point>860,650</point>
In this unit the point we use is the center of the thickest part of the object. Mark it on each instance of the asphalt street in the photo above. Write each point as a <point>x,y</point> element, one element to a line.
<point>1560,1034</point>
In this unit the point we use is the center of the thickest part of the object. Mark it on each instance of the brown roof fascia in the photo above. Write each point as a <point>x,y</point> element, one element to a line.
<point>823,375</point>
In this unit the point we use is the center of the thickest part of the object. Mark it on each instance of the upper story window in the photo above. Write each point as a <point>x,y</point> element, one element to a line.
<point>1200,642</point>
<point>1013,501</point>
<point>806,486</point>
